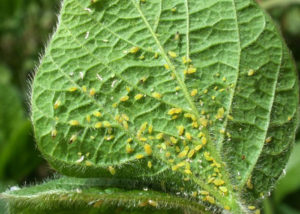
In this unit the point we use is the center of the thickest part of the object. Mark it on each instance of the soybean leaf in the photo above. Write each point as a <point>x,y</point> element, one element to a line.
<point>75,195</point>
<point>200,96</point>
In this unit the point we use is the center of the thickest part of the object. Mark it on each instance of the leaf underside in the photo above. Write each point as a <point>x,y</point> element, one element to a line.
<point>117,96</point>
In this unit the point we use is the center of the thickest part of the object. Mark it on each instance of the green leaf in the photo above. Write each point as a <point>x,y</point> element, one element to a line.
<point>75,195</point>
<point>18,157</point>
<point>289,183</point>
<point>113,97</point>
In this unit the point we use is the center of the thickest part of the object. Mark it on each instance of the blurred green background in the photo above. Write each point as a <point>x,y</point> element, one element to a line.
<point>25,28</point>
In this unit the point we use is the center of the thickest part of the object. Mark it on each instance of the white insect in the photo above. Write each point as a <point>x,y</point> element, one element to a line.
<point>87,35</point>
<point>99,77</point>
<point>88,9</point>
<point>81,75</point>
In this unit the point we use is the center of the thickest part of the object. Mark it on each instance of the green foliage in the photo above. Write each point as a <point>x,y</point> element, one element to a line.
<point>73,195</point>
<point>92,64</point>
<point>14,138</point>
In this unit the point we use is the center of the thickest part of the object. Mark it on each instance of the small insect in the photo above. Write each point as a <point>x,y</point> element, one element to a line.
<point>124,98</point>
<point>268,139</point>
<point>227,207</point>
<point>106,124</point>
<point>156,95</point>
<point>177,36</point>
<point>167,66</point>
<point>220,113</point>
<point>88,163</point>
<point>73,139</point>
<point>251,72</point>
<point>204,140</point>
<point>159,136</point>
<point>174,9</point>
<point>92,92</point>
<point>210,199</point>
<point>156,55</point>
<point>174,111</point>
<point>149,164</point>
<point>97,114</point>
<point>53,133</point>
<point>72,89</point>
<point>148,149</point>
<point>188,136</point>
<point>150,129</point>
<point>223,189</point>
<point>88,118</point>
<point>138,96</point>
<point>172,54</point>
<point>180,130</point>
<point>112,170</point>
<point>194,92</point>
<point>98,125</point>
<point>251,207</point>
<point>57,104</point>
<point>84,89</point>
<point>74,122</point>
<point>134,50</point>
<point>139,156</point>
<point>218,182</point>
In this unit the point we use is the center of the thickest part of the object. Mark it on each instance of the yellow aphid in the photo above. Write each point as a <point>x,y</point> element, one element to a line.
<point>210,199</point>
<point>229,117</point>
<point>53,133</point>
<point>203,121</point>
<point>156,95</point>
<point>150,129</point>
<point>84,89</point>
<point>172,54</point>
<point>57,104</point>
<point>222,131</point>
<point>129,140</point>
<point>186,60</point>
<point>224,79</point>
<point>223,189</point>
<point>202,192</point>
<point>227,207</point>
<point>88,163</point>
<point>183,154</point>
<point>159,136</point>
<point>124,98</point>
<point>220,113</point>
<point>174,111</point>
<point>194,92</point>
<point>191,70</point>
<point>188,171</point>
<point>115,105</point>
<point>205,91</point>
<point>175,168</point>
<point>72,89</point>
<point>177,88</point>
<point>201,134</point>
<point>204,140</point>
<point>153,203</point>
<point>138,96</point>
<point>180,130</point>
<point>268,139</point>
<point>108,138</point>
<point>106,124</point>
<point>73,138</point>
<point>88,118</point>
<point>173,140</point>
<point>213,97</point>
<point>148,149</point>
<point>251,207</point>
<point>194,194</point>
<point>125,125</point>
<point>74,122</point>
<point>128,89</point>
<point>174,9</point>
<point>139,156</point>
<point>257,211</point>
<point>289,118</point>
<point>251,72</point>
<point>149,164</point>
<point>188,136</point>
<point>168,154</point>
<point>167,66</point>
<point>156,55</point>
<point>143,127</point>
<point>249,184</point>
<point>189,115</point>
<point>111,170</point>
<point>125,117</point>
<point>207,156</point>
<point>197,148</point>
<point>141,57</point>
<point>218,182</point>
<point>143,139</point>
<point>98,125</point>
<point>191,153</point>
<point>129,149</point>
<point>134,50</point>
<point>92,92</point>
<point>195,124</point>
<point>177,36</point>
